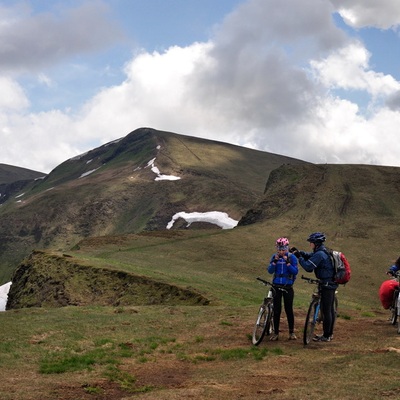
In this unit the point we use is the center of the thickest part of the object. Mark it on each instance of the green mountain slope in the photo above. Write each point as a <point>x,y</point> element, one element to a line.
<point>10,174</point>
<point>205,351</point>
<point>353,201</point>
<point>359,219</point>
<point>113,190</point>
<point>14,180</point>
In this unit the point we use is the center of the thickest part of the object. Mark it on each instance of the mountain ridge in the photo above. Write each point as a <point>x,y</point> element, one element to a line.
<point>355,205</point>
<point>113,190</point>
<point>14,179</point>
<point>11,174</point>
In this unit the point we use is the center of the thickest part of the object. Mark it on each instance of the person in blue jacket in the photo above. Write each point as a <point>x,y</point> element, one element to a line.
<point>394,268</point>
<point>284,267</point>
<point>319,261</point>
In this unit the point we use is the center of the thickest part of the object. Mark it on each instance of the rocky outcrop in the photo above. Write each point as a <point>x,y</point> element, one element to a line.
<point>46,279</point>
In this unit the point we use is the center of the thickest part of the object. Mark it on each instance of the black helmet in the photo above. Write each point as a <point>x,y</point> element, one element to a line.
<point>316,237</point>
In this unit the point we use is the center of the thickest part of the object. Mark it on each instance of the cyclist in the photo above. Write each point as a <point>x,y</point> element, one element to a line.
<point>394,268</point>
<point>284,267</point>
<point>319,261</point>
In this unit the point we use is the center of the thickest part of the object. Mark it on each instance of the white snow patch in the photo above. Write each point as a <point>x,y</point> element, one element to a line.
<point>155,170</point>
<point>4,289</point>
<point>167,178</point>
<point>151,162</point>
<point>160,176</point>
<point>88,173</point>
<point>214,217</point>
<point>78,157</point>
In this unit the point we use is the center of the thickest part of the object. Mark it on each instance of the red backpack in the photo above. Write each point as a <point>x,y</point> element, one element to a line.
<point>341,265</point>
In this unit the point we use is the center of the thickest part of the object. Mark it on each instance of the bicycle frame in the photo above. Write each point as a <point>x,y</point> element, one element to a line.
<point>398,314</point>
<point>395,306</point>
<point>314,315</point>
<point>265,321</point>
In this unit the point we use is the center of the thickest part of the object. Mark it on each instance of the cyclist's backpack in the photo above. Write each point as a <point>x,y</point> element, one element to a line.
<point>341,265</point>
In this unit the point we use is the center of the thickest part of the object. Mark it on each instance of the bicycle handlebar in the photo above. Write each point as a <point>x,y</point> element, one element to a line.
<point>266,283</point>
<point>310,280</point>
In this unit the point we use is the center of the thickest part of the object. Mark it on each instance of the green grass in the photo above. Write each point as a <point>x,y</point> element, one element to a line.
<point>89,345</point>
<point>207,349</point>
<point>223,264</point>
<point>114,343</point>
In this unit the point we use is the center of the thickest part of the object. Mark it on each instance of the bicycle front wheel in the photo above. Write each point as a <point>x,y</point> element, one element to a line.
<point>263,323</point>
<point>311,320</point>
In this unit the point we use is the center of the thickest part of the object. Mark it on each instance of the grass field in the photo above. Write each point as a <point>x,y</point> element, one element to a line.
<point>189,352</point>
<point>199,352</point>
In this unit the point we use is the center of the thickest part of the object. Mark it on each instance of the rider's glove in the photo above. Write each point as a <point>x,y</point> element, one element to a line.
<point>295,252</point>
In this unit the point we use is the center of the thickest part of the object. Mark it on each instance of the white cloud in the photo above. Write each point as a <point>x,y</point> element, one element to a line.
<point>37,141</point>
<point>45,80</point>
<point>276,76</point>
<point>153,94</point>
<point>382,14</point>
<point>348,68</point>
<point>30,41</point>
<point>12,97</point>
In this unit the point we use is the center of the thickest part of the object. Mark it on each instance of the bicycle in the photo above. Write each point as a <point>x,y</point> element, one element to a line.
<point>395,305</point>
<point>314,314</point>
<point>398,313</point>
<point>265,318</point>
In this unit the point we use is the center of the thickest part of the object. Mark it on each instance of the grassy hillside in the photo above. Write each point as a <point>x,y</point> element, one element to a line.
<point>112,190</point>
<point>202,352</point>
<point>223,264</point>
<point>130,351</point>
<point>358,219</point>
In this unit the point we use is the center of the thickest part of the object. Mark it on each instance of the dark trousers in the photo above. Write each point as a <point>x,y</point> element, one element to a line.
<point>288,295</point>
<point>327,306</point>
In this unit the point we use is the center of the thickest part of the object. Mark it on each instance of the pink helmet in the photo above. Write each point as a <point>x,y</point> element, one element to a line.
<point>282,242</point>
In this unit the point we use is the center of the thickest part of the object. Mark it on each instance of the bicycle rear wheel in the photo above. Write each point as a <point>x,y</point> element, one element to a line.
<point>336,305</point>
<point>264,323</point>
<point>335,308</point>
<point>311,320</point>
<point>393,309</point>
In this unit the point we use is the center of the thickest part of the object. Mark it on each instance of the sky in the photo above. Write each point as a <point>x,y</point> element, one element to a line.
<point>317,80</point>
